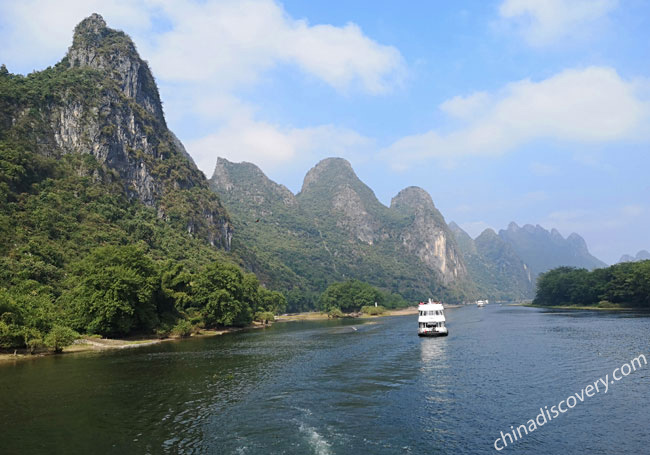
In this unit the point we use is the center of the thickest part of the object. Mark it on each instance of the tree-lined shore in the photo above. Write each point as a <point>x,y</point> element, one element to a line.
<point>625,285</point>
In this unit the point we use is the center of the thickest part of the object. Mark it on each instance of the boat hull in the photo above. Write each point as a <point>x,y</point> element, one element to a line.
<point>433,334</point>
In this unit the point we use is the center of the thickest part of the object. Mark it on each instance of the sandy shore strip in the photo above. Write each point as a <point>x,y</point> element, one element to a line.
<point>93,344</point>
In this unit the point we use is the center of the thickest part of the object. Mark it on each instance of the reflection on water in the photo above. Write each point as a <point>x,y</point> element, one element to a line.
<point>340,387</point>
<point>432,351</point>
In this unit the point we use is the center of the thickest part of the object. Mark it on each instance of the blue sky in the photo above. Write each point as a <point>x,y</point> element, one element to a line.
<point>533,111</point>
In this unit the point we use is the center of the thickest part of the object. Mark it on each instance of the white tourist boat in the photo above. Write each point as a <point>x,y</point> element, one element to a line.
<point>480,303</point>
<point>431,319</point>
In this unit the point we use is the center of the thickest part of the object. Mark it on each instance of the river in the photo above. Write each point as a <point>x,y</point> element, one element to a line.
<point>343,387</point>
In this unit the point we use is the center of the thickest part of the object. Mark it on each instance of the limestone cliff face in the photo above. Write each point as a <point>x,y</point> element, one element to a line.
<point>113,112</point>
<point>411,224</point>
<point>332,189</point>
<point>493,266</point>
<point>96,46</point>
<point>428,236</point>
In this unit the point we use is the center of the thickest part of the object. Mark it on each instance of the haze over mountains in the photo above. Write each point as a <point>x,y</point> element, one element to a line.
<point>642,255</point>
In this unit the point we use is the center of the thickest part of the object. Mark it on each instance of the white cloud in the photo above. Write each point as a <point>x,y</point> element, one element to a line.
<point>229,41</point>
<point>589,106</point>
<point>234,42</point>
<point>270,146</point>
<point>466,107</point>
<point>544,22</point>
<point>203,52</point>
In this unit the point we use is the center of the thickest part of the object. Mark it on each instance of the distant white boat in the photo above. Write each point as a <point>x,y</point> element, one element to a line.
<point>431,319</point>
<point>481,303</point>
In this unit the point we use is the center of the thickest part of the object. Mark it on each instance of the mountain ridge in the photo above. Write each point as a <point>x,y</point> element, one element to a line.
<point>544,250</point>
<point>339,226</point>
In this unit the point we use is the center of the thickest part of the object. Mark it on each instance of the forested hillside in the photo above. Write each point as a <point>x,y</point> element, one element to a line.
<point>335,229</point>
<point>106,224</point>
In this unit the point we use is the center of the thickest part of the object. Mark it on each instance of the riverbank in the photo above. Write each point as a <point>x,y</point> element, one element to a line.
<point>578,307</point>
<point>93,344</point>
<point>316,315</point>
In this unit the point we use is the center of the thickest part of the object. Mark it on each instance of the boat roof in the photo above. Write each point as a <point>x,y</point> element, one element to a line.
<point>430,305</point>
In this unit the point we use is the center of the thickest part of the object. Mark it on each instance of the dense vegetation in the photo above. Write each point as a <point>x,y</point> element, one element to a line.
<point>145,276</point>
<point>79,254</point>
<point>352,296</point>
<point>621,285</point>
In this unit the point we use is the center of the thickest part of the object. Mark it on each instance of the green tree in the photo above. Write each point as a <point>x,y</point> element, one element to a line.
<point>349,296</point>
<point>218,291</point>
<point>115,290</point>
<point>60,337</point>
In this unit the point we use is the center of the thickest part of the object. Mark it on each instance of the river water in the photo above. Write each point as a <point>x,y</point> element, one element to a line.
<point>343,387</point>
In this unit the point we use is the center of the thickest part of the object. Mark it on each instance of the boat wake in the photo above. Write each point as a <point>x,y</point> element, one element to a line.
<point>316,441</point>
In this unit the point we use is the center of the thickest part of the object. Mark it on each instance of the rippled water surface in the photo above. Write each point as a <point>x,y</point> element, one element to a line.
<point>342,387</point>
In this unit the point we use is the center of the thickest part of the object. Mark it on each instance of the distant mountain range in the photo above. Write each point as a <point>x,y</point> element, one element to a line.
<point>642,255</point>
<point>335,228</point>
<point>543,250</point>
<point>506,265</point>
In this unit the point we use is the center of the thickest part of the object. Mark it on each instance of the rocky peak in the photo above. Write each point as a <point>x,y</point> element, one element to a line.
<point>416,200</point>
<point>329,172</point>
<point>427,234</point>
<point>332,189</point>
<point>513,227</point>
<point>112,111</point>
<point>555,234</point>
<point>249,182</point>
<point>488,234</point>
<point>96,46</point>
<point>543,250</point>
<point>578,243</point>
<point>413,197</point>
